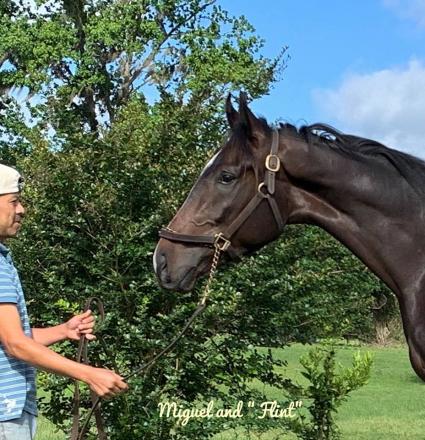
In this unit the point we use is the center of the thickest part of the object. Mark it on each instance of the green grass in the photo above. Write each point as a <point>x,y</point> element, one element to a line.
<point>391,406</point>
<point>47,431</point>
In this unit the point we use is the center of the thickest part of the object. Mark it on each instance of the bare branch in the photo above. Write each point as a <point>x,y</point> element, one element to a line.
<point>147,64</point>
<point>179,25</point>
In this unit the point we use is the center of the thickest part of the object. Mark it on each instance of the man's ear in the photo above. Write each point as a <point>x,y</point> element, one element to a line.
<point>250,122</point>
<point>231,113</point>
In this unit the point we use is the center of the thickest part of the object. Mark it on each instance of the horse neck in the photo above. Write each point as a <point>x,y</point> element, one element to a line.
<point>353,201</point>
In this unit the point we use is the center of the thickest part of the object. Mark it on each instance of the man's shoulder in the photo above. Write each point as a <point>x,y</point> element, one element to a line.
<point>5,270</point>
<point>8,288</point>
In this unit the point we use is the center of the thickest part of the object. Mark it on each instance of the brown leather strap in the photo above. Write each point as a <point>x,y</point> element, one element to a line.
<point>272,164</point>
<point>82,356</point>
<point>265,191</point>
<point>243,215</point>
<point>195,239</point>
<point>276,213</point>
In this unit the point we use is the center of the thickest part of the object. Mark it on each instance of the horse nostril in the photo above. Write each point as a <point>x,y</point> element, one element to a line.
<point>162,262</point>
<point>159,262</point>
<point>162,271</point>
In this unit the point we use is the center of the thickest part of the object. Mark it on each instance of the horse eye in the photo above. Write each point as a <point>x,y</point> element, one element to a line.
<point>226,178</point>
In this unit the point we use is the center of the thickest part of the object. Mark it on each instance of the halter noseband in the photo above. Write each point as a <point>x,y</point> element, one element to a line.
<point>266,190</point>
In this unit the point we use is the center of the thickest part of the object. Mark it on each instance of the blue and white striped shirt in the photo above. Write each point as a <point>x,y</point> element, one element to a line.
<point>17,378</point>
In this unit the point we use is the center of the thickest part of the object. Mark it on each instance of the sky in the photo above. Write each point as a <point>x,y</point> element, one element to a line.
<point>358,65</point>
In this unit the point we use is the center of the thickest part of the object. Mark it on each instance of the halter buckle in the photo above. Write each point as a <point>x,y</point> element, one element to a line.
<point>273,163</point>
<point>221,243</point>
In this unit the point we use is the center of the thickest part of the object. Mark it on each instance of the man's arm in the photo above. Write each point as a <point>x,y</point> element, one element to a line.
<point>50,335</point>
<point>103,382</point>
<point>73,329</point>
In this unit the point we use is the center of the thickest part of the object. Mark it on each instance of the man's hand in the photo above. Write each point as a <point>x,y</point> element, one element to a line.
<point>80,325</point>
<point>105,383</point>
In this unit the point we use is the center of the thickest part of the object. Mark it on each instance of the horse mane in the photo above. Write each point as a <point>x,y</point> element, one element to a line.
<point>411,168</point>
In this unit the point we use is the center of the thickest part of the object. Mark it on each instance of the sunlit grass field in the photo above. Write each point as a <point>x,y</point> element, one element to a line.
<point>390,407</point>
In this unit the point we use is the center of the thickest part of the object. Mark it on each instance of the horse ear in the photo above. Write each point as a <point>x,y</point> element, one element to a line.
<point>247,118</point>
<point>231,113</point>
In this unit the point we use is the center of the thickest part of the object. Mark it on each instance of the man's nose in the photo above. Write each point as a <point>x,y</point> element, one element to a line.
<point>20,209</point>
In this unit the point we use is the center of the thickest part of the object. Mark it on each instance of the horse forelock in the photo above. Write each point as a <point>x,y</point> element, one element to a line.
<point>235,151</point>
<point>237,148</point>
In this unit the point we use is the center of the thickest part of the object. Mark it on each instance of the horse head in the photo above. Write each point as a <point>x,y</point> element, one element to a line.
<point>228,202</point>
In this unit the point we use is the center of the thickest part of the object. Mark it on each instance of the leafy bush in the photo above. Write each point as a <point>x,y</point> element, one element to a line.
<point>328,389</point>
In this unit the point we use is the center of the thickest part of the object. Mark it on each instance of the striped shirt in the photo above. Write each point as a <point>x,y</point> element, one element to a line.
<point>17,378</point>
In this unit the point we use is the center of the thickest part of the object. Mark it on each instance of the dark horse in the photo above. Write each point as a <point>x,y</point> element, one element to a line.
<point>369,197</point>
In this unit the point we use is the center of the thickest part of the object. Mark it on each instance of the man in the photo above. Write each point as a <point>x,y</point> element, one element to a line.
<point>22,348</point>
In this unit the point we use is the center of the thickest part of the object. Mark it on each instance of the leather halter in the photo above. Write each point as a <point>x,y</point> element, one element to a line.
<point>266,190</point>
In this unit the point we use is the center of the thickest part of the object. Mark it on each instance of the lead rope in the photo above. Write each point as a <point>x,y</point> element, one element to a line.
<point>83,357</point>
<point>77,434</point>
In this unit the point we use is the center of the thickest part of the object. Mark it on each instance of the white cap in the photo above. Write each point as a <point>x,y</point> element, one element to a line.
<point>10,180</point>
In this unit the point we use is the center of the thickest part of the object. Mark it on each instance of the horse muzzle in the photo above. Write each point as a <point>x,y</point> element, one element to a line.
<point>180,273</point>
